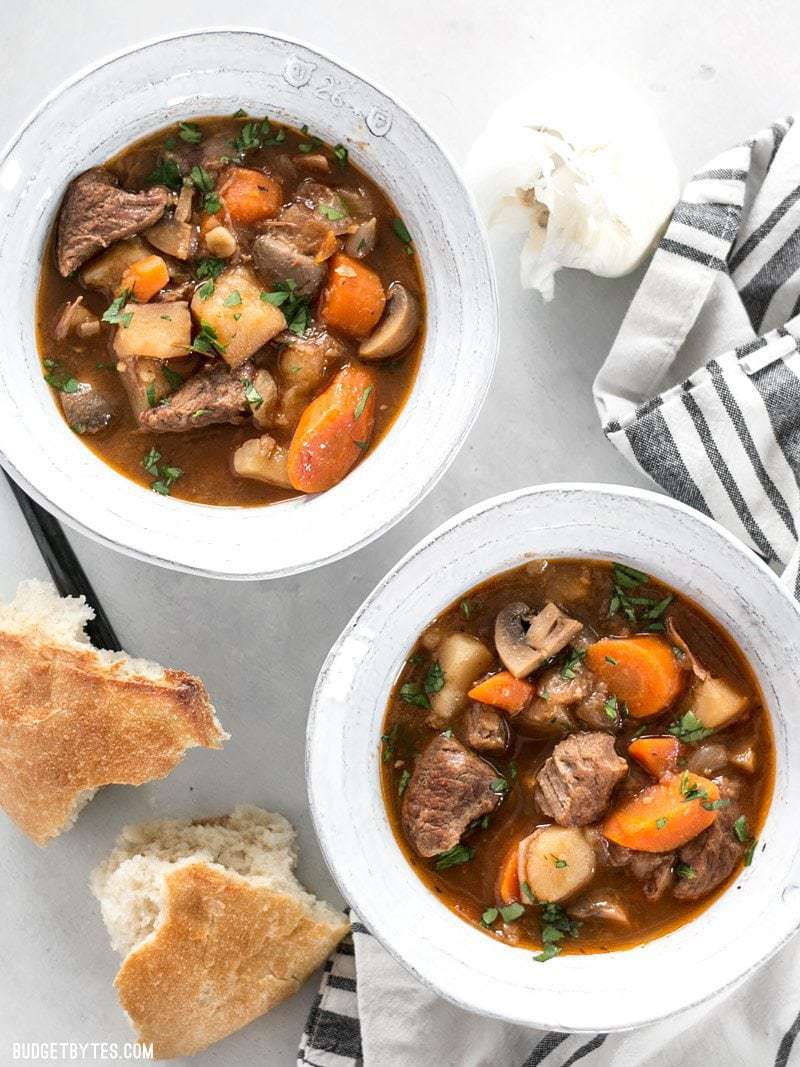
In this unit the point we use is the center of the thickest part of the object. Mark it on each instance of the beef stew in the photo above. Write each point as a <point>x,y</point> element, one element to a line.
<point>576,758</point>
<point>230,311</point>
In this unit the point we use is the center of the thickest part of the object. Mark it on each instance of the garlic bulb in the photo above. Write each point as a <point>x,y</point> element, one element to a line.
<point>580,165</point>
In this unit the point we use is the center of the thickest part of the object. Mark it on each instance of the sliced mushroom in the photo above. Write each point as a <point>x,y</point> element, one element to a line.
<point>551,630</point>
<point>510,631</point>
<point>398,325</point>
<point>361,243</point>
<point>183,208</point>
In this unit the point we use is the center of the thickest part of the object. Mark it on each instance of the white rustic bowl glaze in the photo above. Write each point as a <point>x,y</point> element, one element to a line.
<point>596,992</point>
<point>211,72</point>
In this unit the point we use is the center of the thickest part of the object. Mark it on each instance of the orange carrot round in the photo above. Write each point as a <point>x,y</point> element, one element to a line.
<point>664,816</point>
<point>144,278</point>
<point>250,195</point>
<point>640,671</point>
<point>504,691</point>
<point>333,431</point>
<point>658,755</point>
<point>353,300</point>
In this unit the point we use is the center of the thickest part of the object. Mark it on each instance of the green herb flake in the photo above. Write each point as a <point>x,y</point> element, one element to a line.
<point>233,299</point>
<point>498,785</point>
<point>190,132</point>
<point>612,708</point>
<point>683,870</point>
<point>252,395</point>
<point>610,660</point>
<point>201,178</point>
<point>689,729</point>
<point>151,395</point>
<point>526,890</point>
<point>389,743</point>
<point>512,912</point>
<point>340,153</point>
<point>362,403</point>
<point>489,916</point>
<point>206,290</point>
<point>661,823</point>
<point>115,313</point>
<point>454,857</point>
<point>200,413</point>
<point>466,608</point>
<point>572,662</point>
<point>240,114</point>
<point>405,778</point>
<point>210,267</point>
<point>559,863</point>
<point>740,830</point>
<point>413,694</point>
<point>150,461</point>
<point>166,172</point>
<point>207,342</point>
<point>548,952</point>
<point>174,380</point>
<point>59,378</point>
<point>401,230</point>
<point>296,308</point>
<point>334,214</point>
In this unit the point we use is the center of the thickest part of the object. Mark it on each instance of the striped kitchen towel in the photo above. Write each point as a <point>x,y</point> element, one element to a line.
<point>701,389</point>
<point>387,1019</point>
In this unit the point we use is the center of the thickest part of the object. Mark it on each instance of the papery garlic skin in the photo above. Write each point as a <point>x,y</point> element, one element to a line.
<point>578,163</point>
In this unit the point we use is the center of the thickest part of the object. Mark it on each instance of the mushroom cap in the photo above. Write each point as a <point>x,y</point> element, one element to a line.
<point>397,327</point>
<point>509,637</point>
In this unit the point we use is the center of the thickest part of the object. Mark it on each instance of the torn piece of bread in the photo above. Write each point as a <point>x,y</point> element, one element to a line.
<point>74,718</point>
<point>216,927</point>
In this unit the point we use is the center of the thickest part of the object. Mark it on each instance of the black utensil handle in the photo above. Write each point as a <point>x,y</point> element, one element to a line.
<point>65,570</point>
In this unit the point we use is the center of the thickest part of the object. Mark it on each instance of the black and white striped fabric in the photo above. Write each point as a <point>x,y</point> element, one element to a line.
<point>387,1019</point>
<point>701,389</point>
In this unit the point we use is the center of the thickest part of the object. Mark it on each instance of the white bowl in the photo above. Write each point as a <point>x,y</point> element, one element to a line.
<point>594,992</point>
<point>212,72</point>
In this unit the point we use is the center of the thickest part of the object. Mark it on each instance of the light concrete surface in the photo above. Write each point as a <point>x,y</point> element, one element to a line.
<point>714,72</point>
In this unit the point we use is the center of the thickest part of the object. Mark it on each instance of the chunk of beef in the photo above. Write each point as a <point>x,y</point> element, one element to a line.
<point>542,717</point>
<point>556,689</point>
<point>87,410</point>
<point>449,789</point>
<point>277,259</point>
<point>215,394</point>
<point>575,784</point>
<point>710,858</point>
<point>592,710</point>
<point>654,871</point>
<point>96,212</point>
<point>486,729</point>
<point>327,204</point>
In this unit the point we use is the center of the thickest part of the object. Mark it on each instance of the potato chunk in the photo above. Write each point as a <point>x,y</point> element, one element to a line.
<point>463,660</point>
<point>716,702</point>
<point>157,331</point>
<point>556,862</point>
<point>242,320</point>
<point>105,272</point>
<point>263,459</point>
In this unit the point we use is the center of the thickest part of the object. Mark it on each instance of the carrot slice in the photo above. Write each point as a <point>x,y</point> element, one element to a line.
<point>508,888</point>
<point>640,671</point>
<point>664,816</point>
<point>504,691</point>
<point>333,431</point>
<point>144,278</point>
<point>250,195</point>
<point>354,299</point>
<point>658,755</point>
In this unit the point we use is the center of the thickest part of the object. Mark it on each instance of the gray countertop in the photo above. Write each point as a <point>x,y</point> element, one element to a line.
<point>714,72</point>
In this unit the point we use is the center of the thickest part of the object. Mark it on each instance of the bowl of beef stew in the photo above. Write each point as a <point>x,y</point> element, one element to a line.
<point>248,283</point>
<point>571,747</point>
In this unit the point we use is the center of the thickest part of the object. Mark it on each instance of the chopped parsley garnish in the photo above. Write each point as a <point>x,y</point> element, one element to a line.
<point>240,114</point>
<point>555,925</point>
<point>489,916</point>
<point>748,856</point>
<point>417,694</point>
<point>714,805</point>
<point>661,823</point>
<point>558,862</point>
<point>405,778</point>
<point>401,230</point>
<point>308,146</point>
<point>115,313</point>
<point>165,476</point>
<point>210,267</point>
<point>190,132</point>
<point>59,378</point>
<point>205,183</point>
<point>614,707</point>
<point>548,952</point>
<point>334,214</point>
<point>174,380</point>
<point>611,660</point>
<point>200,413</point>
<point>691,791</point>
<point>362,403</point>
<point>636,608</point>
<point>742,835</point>
<point>454,856</point>
<point>683,870</point>
<point>363,445</point>
<point>206,290</point>
<point>150,392</point>
<point>689,729</point>
<point>207,343</point>
<point>166,172</point>
<point>512,912</point>
<point>526,889</point>
<point>296,308</point>
<point>340,152</point>
<point>498,785</point>
<point>574,657</point>
<point>256,134</point>
<point>466,608</point>
<point>252,395</point>
<point>233,299</point>
<point>389,743</point>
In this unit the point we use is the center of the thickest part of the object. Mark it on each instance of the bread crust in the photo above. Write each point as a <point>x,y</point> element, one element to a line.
<point>71,722</point>
<point>224,952</point>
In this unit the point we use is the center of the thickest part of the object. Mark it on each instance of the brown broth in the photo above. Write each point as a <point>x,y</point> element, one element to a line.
<point>204,455</point>
<point>583,589</point>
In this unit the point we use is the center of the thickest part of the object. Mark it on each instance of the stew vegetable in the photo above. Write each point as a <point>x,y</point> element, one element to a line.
<point>576,758</point>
